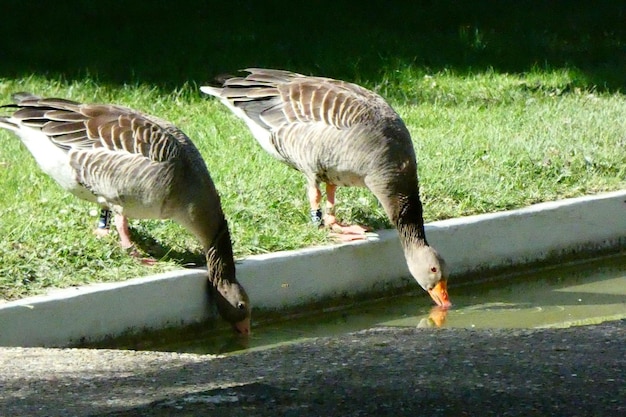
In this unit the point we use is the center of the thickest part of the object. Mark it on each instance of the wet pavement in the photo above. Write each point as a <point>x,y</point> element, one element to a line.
<point>577,371</point>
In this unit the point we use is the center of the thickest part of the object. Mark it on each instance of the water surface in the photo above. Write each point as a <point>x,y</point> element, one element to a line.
<point>573,294</point>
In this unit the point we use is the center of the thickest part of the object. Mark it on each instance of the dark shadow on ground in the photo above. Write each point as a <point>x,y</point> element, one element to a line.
<point>386,372</point>
<point>168,44</point>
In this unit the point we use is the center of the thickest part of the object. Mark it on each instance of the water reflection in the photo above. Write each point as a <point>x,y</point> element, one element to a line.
<point>575,294</point>
<point>436,318</point>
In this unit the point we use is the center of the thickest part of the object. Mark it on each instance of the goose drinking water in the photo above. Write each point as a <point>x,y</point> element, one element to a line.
<point>340,134</point>
<point>138,166</point>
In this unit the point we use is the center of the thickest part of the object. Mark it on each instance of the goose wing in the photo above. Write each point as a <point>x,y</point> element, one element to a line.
<point>117,153</point>
<point>132,158</point>
<point>275,98</point>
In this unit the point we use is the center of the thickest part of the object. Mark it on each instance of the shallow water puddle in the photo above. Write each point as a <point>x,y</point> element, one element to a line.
<point>573,294</point>
<point>546,304</point>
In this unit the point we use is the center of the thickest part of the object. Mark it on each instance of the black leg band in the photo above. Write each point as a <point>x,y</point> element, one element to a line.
<point>104,222</point>
<point>316,217</point>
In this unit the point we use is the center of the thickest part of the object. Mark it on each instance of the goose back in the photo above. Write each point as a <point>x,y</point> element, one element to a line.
<point>119,157</point>
<point>330,130</point>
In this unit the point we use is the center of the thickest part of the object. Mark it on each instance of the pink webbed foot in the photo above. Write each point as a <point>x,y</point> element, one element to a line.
<point>343,232</point>
<point>100,233</point>
<point>144,260</point>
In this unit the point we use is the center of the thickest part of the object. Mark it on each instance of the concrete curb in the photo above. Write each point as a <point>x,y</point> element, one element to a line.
<point>284,279</point>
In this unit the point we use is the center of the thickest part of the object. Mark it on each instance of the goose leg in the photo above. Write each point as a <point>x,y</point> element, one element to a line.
<point>121,224</point>
<point>315,198</point>
<point>342,232</point>
<point>329,218</point>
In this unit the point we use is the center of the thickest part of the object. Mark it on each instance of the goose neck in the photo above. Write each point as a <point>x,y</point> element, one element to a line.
<point>409,222</point>
<point>220,258</point>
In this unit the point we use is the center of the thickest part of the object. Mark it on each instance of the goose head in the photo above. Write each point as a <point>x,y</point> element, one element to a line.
<point>429,270</point>
<point>233,305</point>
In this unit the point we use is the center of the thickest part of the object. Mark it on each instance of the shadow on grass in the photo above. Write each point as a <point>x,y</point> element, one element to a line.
<point>168,44</point>
<point>157,250</point>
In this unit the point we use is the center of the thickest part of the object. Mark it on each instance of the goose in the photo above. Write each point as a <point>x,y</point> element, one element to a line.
<point>340,134</point>
<point>138,166</point>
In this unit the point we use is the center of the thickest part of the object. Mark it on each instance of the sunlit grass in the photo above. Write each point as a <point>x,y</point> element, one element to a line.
<point>485,141</point>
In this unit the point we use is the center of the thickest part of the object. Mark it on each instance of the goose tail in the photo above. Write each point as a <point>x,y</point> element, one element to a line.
<point>213,91</point>
<point>24,96</point>
<point>5,120</point>
<point>6,123</point>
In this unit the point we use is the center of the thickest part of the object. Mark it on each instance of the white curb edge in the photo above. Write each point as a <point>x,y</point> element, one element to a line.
<point>289,278</point>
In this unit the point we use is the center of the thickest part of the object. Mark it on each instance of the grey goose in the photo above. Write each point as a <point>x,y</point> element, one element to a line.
<point>138,166</point>
<point>340,134</point>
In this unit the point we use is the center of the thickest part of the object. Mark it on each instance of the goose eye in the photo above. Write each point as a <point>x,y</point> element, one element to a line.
<point>241,306</point>
<point>433,269</point>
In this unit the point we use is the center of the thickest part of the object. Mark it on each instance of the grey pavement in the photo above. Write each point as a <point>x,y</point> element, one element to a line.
<point>579,371</point>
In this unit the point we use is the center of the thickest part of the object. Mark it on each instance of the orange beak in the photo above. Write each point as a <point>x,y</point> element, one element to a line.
<point>440,294</point>
<point>243,327</point>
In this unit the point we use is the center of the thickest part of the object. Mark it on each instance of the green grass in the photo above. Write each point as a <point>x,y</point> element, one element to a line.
<point>506,108</point>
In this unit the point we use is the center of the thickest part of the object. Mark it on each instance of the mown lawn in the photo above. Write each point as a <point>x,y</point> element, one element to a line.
<point>507,106</point>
